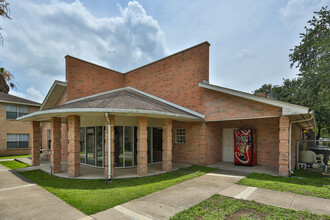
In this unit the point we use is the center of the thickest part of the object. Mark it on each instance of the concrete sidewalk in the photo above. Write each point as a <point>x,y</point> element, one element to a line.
<point>166,203</point>
<point>22,199</point>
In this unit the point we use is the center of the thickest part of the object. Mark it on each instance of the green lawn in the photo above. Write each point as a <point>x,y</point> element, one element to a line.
<point>13,157</point>
<point>92,196</point>
<point>14,164</point>
<point>221,207</point>
<point>303,182</point>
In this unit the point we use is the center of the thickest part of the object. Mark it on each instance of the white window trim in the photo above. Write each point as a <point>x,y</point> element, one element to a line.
<point>180,135</point>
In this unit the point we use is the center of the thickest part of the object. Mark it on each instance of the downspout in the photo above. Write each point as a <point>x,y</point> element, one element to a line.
<point>109,145</point>
<point>290,131</point>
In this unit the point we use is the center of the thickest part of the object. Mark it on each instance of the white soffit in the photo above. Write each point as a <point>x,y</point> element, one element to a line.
<point>287,108</point>
<point>54,93</point>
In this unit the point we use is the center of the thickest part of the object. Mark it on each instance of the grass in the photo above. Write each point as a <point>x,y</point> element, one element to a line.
<point>14,164</point>
<point>13,157</point>
<point>303,182</point>
<point>221,207</point>
<point>92,196</point>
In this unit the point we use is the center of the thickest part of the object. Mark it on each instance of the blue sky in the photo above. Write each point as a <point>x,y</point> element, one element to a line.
<point>250,40</point>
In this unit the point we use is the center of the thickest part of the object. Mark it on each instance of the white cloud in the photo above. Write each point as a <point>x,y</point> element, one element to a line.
<point>246,54</point>
<point>30,94</point>
<point>296,13</point>
<point>18,94</point>
<point>40,35</point>
<point>34,94</point>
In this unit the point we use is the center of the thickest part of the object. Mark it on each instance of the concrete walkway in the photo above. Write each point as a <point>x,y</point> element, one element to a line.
<point>166,203</point>
<point>22,199</point>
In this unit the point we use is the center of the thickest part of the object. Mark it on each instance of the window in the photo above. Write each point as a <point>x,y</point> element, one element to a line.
<point>49,139</point>
<point>180,135</point>
<point>15,141</point>
<point>15,111</point>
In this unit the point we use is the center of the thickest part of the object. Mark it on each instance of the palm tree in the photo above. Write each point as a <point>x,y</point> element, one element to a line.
<point>6,80</point>
<point>4,12</point>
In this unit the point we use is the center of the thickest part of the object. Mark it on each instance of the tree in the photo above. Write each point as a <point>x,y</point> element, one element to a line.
<point>6,80</point>
<point>4,12</point>
<point>312,58</point>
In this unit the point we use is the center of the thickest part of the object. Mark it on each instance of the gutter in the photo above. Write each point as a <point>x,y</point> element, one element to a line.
<point>109,145</point>
<point>290,131</point>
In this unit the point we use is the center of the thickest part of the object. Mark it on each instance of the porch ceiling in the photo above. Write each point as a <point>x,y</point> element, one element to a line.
<point>125,101</point>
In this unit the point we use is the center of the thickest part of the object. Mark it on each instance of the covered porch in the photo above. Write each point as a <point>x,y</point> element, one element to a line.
<point>90,172</point>
<point>121,133</point>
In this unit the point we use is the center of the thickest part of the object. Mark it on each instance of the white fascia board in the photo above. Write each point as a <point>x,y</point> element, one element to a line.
<point>109,110</point>
<point>20,103</point>
<point>287,108</point>
<point>143,93</point>
<point>56,82</point>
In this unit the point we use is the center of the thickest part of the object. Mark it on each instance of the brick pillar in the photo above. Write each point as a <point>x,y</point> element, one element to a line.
<point>35,149</point>
<point>283,168</point>
<point>74,145</point>
<point>167,145</point>
<point>55,152</point>
<point>112,134</point>
<point>142,146</point>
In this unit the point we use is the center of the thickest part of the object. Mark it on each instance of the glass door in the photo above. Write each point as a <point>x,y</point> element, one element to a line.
<point>99,146</point>
<point>90,145</point>
<point>129,141</point>
<point>82,145</point>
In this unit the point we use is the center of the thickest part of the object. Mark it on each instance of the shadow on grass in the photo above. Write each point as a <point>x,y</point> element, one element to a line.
<point>46,180</point>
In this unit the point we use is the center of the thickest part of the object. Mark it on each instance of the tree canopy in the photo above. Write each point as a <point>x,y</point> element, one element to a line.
<point>4,12</point>
<point>312,58</point>
<point>6,80</point>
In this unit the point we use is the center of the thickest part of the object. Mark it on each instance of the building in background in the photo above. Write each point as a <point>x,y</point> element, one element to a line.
<point>15,136</point>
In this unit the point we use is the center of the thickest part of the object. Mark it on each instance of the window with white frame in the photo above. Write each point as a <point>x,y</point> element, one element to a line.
<point>180,135</point>
<point>17,141</point>
<point>15,111</point>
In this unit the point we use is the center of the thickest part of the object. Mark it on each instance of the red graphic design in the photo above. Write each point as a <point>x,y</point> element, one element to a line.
<point>245,150</point>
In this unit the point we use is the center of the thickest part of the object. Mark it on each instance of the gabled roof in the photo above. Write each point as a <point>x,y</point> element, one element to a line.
<point>127,100</point>
<point>6,98</point>
<point>53,95</point>
<point>287,108</point>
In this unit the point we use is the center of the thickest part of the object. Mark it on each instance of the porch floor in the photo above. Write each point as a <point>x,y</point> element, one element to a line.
<point>89,172</point>
<point>230,166</point>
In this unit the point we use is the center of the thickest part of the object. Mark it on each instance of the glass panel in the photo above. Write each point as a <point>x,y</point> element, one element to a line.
<point>149,140</point>
<point>12,137</point>
<point>119,146</point>
<point>99,146</point>
<point>12,144</point>
<point>90,145</point>
<point>11,115</point>
<point>11,108</point>
<point>135,146</point>
<point>23,109</point>
<point>129,146</point>
<point>157,144</point>
<point>82,145</point>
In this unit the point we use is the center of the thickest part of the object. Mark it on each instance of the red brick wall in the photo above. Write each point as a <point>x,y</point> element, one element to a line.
<point>175,78</point>
<point>221,106</point>
<point>64,139</point>
<point>87,79</point>
<point>295,136</point>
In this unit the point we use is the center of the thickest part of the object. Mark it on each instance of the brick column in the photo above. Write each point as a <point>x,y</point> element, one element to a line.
<point>142,146</point>
<point>283,161</point>
<point>35,149</point>
<point>112,134</point>
<point>167,145</point>
<point>74,145</point>
<point>55,152</point>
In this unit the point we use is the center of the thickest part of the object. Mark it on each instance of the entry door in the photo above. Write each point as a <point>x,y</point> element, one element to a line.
<point>228,145</point>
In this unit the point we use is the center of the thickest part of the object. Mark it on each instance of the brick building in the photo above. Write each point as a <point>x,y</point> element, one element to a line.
<point>165,111</point>
<point>15,136</point>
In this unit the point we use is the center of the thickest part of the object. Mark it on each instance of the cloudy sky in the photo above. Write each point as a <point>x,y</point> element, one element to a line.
<point>250,39</point>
